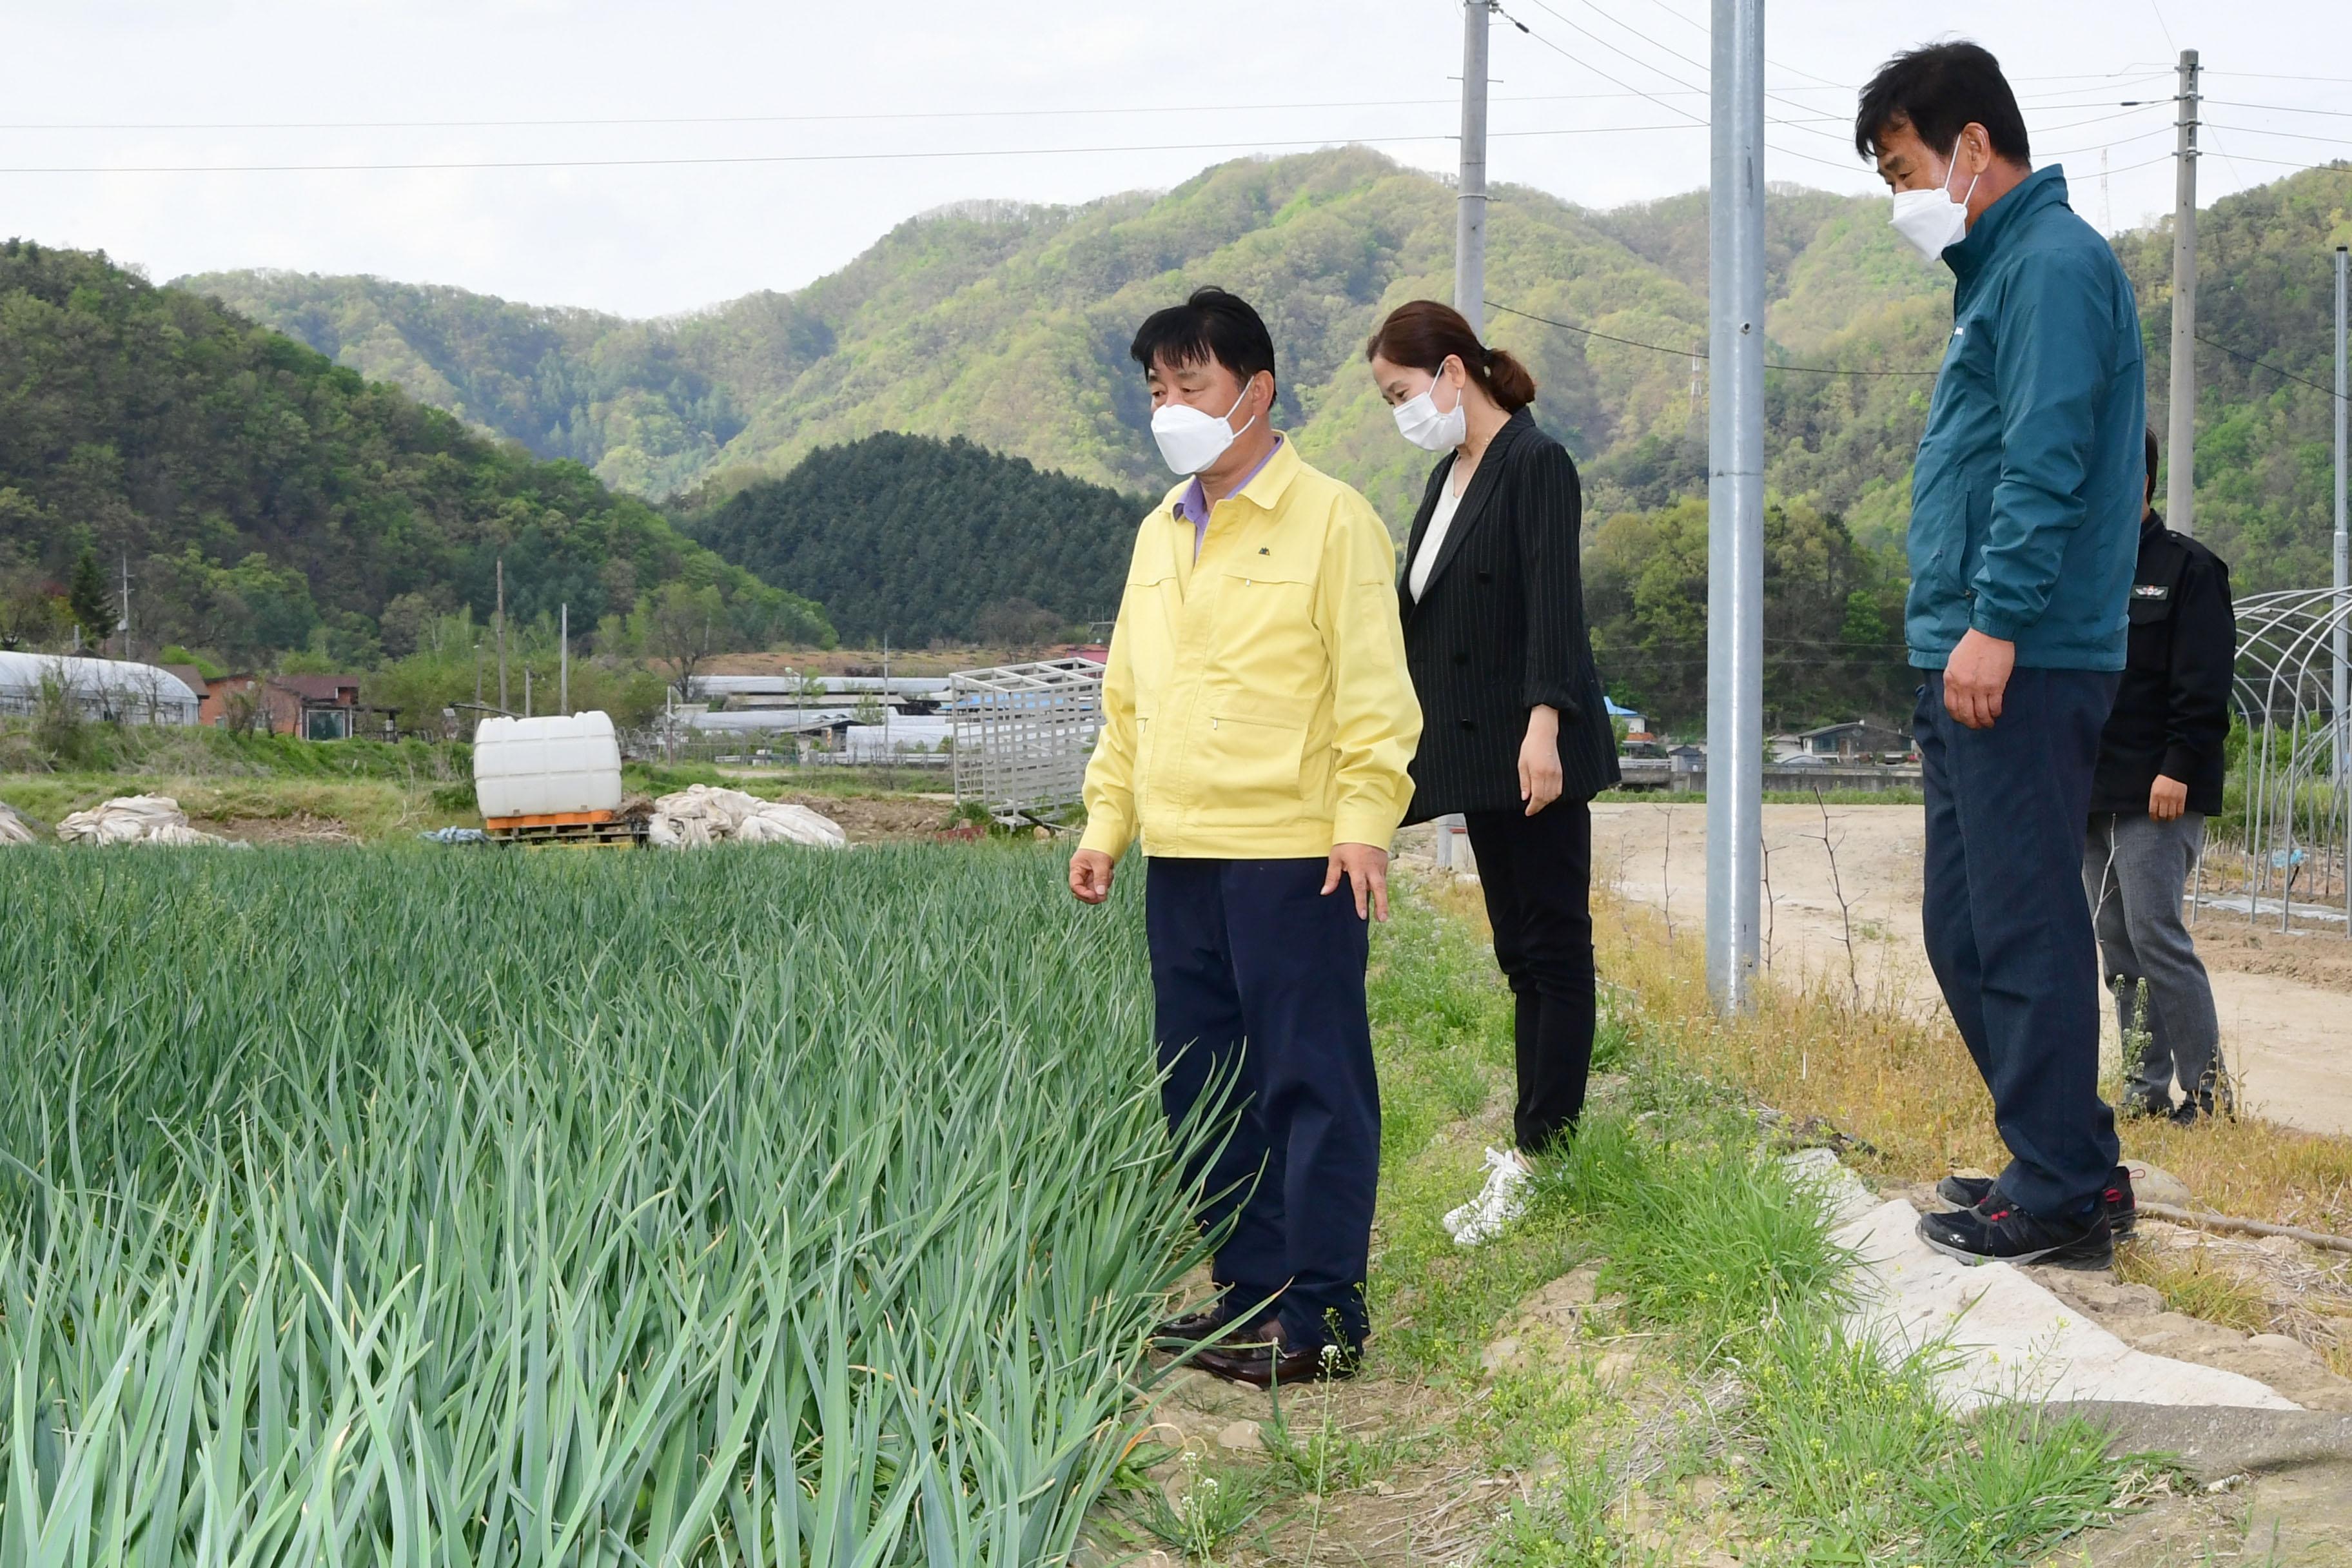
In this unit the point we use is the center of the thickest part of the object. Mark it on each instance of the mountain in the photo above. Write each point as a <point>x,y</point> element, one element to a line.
<point>1008,325</point>
<point>918,540</point>
<point>263,497</point>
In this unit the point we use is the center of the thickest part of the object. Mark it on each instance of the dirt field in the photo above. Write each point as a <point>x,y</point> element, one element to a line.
<point>2282,997</point>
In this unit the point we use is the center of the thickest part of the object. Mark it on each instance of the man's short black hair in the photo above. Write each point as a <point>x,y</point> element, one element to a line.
<point>2150,434</point>
<point>1211,325</point>
<point>1936,90</point>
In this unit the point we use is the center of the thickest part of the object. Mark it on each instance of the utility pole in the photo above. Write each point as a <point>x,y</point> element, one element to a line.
<point>2342,608</point>
<point>525,688</point>
<point>502,633</point>
<point>2180,491</point>
<point>1470,239</point>
<point>563,660</point>
<point>126,604</point>
<point>1735,505</point>
<point>1470,201</point>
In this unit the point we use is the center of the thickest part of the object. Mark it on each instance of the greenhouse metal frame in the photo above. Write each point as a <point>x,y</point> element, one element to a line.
<point>1024,734</point>
<point>110,690</point>
<point>2289,692</point>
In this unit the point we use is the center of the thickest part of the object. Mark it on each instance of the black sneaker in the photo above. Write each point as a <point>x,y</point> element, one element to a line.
<point>2002,1233</point>
<point>2123,1208</point>
<point>2139,1108</point>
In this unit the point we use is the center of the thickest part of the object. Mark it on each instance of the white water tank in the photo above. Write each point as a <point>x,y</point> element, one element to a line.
<point>543,767</point>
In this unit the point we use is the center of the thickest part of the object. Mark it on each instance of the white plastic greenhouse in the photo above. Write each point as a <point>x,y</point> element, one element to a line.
<point>111,689</point>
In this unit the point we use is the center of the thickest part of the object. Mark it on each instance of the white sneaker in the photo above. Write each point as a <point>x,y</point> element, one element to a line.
<point>1502,1200</point>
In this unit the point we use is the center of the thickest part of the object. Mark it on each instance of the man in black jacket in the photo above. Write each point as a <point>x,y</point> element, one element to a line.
<point>2159,776</point>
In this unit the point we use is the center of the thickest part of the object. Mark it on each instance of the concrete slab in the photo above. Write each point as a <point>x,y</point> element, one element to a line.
<point>2009,1337</point>
<point>2214,1444</point>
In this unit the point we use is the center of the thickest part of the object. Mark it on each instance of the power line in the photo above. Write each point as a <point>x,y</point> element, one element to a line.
<point>2279,107</point>
<point>795,157</point>
<point>576,122</point>
<point>2290,135</point>
<point>2261,364</point>
<point>1696,354</point>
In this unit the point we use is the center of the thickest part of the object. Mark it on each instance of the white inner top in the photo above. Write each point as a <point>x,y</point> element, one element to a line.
<point>1449,500</point>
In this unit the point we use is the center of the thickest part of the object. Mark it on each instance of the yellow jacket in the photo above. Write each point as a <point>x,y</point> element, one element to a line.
<point>1256,705</point>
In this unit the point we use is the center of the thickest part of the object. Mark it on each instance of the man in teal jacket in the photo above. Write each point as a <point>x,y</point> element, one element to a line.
<point>2025,503</point>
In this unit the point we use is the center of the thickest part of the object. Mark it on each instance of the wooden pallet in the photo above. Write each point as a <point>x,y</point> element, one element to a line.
<point>550,819</point>
<point>601,831</point>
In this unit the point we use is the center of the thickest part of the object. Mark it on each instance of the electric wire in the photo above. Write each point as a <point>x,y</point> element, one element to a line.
<point>1697,353</point>
<point>2263,365</point>
<point>753,158</point>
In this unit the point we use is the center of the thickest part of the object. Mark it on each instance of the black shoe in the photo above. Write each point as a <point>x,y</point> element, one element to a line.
<point>2002,1233</point>
<point>1265,1364</point>
<point>2189,1114</point>
<point>2123,1208</point>
<point>2140,1108</point>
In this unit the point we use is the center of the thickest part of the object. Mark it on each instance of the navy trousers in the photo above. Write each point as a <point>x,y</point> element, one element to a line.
<point>2008,929</point>
<point>1258,980</point>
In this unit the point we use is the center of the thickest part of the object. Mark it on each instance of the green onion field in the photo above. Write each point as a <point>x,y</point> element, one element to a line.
<point>477,1208</point>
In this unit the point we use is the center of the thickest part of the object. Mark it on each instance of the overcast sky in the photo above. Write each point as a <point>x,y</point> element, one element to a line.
<point>1019,91</point>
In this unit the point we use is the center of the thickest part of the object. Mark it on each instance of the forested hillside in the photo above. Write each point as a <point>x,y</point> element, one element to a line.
<point>1009,326</point>
<point>921,539</point>
<point>267,498</point>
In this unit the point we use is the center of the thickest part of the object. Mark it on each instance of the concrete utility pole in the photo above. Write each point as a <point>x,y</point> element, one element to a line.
<point>2181,490</point>
<point>1735,506</point>
<point>563,660</point>
<point>2342,537</point>
<point>1470,202</point>
<point>126,605</point>
<point>502,633</point>
<point>1470,236</point>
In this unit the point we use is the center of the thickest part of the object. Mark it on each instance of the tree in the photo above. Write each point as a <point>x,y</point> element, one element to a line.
<point>89,600</point>
<point>683,627</point>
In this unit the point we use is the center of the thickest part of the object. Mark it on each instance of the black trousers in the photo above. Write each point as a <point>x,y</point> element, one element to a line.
<point>1257,979</point>
<point>1537,872</point>
<point>2008,929</point>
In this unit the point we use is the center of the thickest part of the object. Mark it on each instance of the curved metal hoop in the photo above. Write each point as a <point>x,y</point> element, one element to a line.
<point>2288,693</point>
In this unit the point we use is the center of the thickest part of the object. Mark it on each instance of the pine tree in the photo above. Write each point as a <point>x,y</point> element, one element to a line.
<point>88,597</point>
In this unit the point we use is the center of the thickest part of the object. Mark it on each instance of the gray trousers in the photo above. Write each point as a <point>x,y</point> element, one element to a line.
<point>2135,869</point>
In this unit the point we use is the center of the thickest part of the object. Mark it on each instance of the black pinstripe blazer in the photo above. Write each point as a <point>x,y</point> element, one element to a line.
<point>1500,627</point>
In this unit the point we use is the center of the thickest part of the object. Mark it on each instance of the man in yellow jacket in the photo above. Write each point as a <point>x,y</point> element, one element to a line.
<point>1257,726</point>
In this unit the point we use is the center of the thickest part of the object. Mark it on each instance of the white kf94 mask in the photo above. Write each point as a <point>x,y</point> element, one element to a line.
<point>1930,219</point>
<point>1190,439</point>
<point>1434,429</point>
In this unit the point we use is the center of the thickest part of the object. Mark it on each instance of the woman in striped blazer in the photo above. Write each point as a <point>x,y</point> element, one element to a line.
<point>1515,731</point>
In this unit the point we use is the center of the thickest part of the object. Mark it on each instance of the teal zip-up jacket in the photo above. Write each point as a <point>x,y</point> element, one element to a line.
<point>2025,500</point>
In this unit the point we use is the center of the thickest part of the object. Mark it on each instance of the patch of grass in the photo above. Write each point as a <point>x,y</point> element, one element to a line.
<point>1706,1234</point>
<point>1441,1037</point>
<point>1211,1507</point>
<point>2190,1282</point>
<point>1569,1525</point>
<point>369,808</point>
<point>1862,1462</point>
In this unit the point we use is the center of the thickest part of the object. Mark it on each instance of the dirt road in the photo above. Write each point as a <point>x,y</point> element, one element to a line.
<point>2283,999</point>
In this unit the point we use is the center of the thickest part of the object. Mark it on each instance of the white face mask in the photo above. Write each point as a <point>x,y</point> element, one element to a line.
<point>1191,439</point>
<point>1434,429</point>
<point>1930,219</point>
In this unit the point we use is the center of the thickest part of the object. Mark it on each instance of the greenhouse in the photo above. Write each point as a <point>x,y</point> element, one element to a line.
<point>114,690</point>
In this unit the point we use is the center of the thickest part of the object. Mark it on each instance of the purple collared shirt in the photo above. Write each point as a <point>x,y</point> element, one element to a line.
<point>1193,506</point>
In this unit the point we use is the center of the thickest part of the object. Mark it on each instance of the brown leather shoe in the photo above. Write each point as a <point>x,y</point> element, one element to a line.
<point>1191,1328</point>
<point>1263,1364</point>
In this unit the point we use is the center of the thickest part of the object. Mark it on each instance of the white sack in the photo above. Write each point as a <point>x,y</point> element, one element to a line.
<point>11,826</point>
